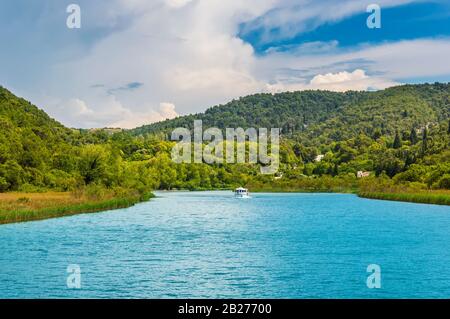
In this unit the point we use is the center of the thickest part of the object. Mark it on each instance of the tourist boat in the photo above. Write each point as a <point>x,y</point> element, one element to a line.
<point>241,193</point>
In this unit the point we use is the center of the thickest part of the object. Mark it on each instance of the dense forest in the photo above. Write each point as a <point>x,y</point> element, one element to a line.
<point>400,135</point>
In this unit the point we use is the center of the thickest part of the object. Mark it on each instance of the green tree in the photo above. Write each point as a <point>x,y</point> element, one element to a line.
<point>397,141</point>
<point>413,136</point>
<point>93,163</point>
<point>424,140</point>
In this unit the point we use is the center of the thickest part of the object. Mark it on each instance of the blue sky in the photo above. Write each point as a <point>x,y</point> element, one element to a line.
<point>140,61</point>
<point>405,22</point>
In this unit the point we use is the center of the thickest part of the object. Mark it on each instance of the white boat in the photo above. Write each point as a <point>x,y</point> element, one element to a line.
<point>241,192</point>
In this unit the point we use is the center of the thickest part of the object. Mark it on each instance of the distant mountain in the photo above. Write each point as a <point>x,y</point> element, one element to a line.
<point>330,115</point>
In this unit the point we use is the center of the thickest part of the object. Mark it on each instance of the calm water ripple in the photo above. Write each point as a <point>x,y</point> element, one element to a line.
<point>209,244</point>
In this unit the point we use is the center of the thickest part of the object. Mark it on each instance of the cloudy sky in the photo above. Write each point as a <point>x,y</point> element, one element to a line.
<point>134,62</point>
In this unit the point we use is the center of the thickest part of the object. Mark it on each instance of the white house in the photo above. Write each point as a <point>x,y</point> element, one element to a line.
<point>361,174</point>
<point>319,157</point>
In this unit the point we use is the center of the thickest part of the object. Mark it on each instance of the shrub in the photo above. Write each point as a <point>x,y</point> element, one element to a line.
<point>444,182</point>
<point>4,185</point>
<point>95,191</point>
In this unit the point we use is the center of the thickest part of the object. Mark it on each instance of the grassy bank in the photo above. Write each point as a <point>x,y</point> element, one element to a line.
<point>21,207</point>
<point>324,184</point>
<point>408,192</point>
<point>425,197</point>
<point>373,188</point>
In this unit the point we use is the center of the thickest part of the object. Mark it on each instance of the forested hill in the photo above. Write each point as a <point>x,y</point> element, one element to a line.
<point>340,114</point>
<point>37,152</point>
<point>28,135</point>
<point>21,113</point>
<point>294,110</point>
<point>401,132</point>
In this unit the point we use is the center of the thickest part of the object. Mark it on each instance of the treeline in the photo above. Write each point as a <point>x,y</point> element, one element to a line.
<point>383,112</point>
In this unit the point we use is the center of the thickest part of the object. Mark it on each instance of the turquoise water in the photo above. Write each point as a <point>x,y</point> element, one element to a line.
<point>209,244</point>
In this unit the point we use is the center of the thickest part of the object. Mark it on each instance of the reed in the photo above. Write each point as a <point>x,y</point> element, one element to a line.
<point>22,207</point>
<point>306,185</point>
<point>438,198</point>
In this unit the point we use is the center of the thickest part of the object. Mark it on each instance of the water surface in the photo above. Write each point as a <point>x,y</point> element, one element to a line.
<point>209,244</point>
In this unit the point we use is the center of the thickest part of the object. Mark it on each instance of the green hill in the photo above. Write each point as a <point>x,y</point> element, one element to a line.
<point>28,139</point>
<point>291,111</point>
<point>389,110</point>
<point>38,153</point>
<point>400,134</point>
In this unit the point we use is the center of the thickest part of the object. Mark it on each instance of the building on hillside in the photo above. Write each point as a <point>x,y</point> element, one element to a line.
<point>361,174</point>
<point>319,157</point>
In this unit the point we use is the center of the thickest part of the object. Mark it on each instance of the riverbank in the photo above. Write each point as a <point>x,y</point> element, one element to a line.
<point>22,207</point>
<point>401,194</point>
<point>385,189</point>
<point>440,197</point>
<point>324,184</point>
<point>372,188</point>
<point>426,197</point>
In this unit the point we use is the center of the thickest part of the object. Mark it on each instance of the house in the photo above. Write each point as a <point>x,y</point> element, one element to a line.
<point>319,157</point>
<point>361,174</point>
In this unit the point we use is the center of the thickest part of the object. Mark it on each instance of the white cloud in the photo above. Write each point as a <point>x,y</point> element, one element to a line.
<point>108,113</point>
<point>341,77</point>
<point>398,60</point>
<point>188,53</point>
<point>70,112</point>
<point>167,110</point>
<point>340,82</point>
<point>136,119</point>
<point>177,3</point>
<point>77,107</point>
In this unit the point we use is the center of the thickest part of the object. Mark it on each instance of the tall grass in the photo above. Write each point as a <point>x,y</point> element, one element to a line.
<point>413,192</point>
<point>425,198</point>
<point>324,184</point>
<point>374,188</point>
<point>21,207</point>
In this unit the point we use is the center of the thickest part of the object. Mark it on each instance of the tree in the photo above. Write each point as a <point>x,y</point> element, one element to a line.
<point>12,175</point>
<point>397,141</point>
<point>93,163</point>
<point>424,140</point>
<point>376,134</point>
<point>413,136</point>
<point>444,182</point>
<point>4,185</point>
<point>335,170</point>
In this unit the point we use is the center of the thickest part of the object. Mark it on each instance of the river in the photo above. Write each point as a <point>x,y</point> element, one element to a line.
<point>211,245</point>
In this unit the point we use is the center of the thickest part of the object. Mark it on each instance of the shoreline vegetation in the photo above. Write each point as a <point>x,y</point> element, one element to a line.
<point>22,207</point>
<point>16,207</point>
<point>431,197</point>
<point>412,193</point>
<point>390,144</point>
<point>371,188</point>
